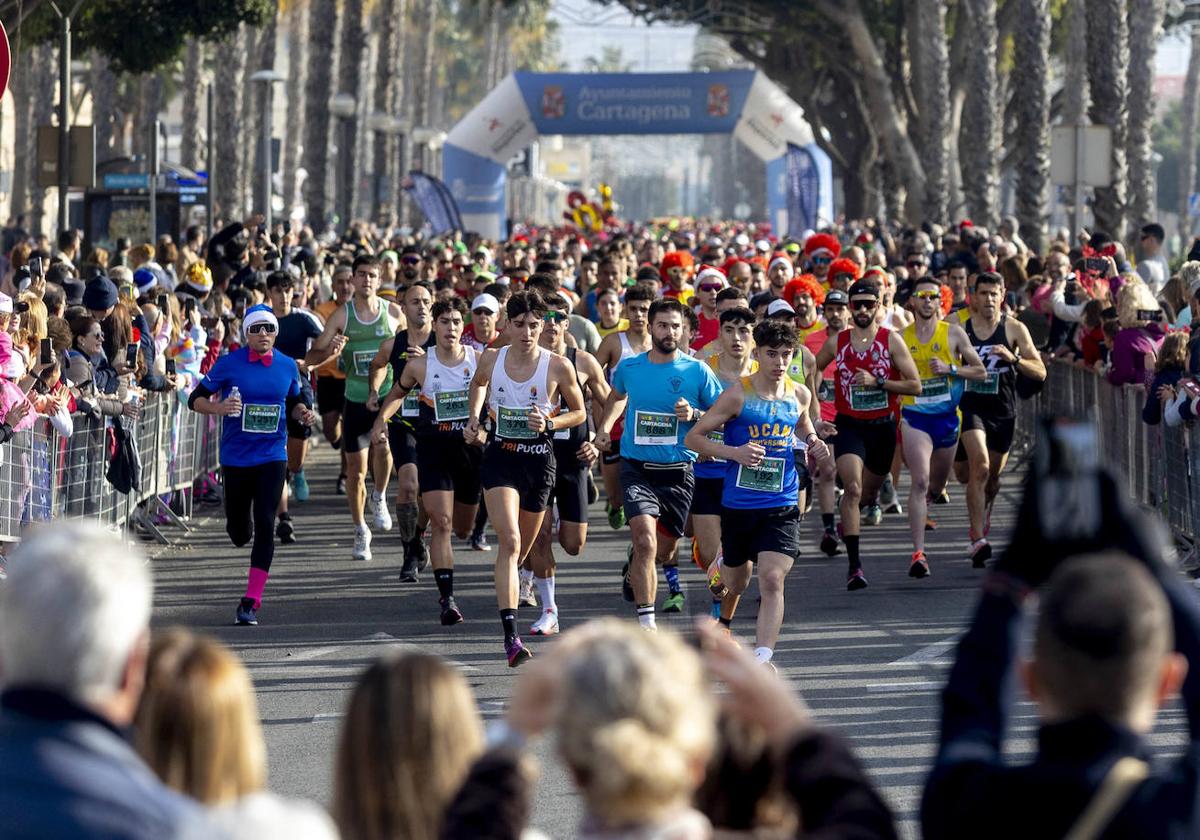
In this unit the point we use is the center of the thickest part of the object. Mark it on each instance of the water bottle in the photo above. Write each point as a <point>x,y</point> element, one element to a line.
<point>234,394</point>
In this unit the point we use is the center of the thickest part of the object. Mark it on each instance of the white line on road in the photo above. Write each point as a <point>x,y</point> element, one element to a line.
<point>934,654</point>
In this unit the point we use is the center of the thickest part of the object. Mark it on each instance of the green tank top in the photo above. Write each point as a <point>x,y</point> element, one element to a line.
<point>362,343</point>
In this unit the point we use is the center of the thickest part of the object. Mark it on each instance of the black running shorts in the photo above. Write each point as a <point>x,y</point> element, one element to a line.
<point>357,421</point>
<point>570,493</point>
<point>528,468</point>
<point>747,533</point>
<point>331,393</point>
<point>874,441</point>
<point>998,432</point>
<point>663,491</point>
<point>706,499</point>
<point>449,465</point>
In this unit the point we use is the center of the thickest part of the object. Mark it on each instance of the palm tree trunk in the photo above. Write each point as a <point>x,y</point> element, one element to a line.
<point>978,146</point>
<point>1075,77</point>
<point>250,123</point>
<point>350,81</point>
<point>1187,145</point>
<point>1107,58</point>
<point>150,95</point>
<point>265,61</point>
<point>1145,27</point>
<point>24,151</point>
<point>104,107</point>
<point>227,88</point>
<point>1031,123</point>
<point>318,89</point>
<point>931,65</point>
<point>191,140</point>
<point>45,80</point>
<point>423,108</point>
<point>297,36</point>
<point>383,153</point>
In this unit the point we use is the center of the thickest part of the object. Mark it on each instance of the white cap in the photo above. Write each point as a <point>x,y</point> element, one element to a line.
<point>710,273</point>
<point>742,239</point>
<point>486,301</point>
<point>779,305</point>
<point>260,314</point>
<point>762,245</point>
<point>784,261</point>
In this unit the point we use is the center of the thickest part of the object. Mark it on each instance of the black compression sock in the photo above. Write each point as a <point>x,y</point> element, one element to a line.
<point>827,521</point>
<point>851,541</point>
<point>445,582</point>
<point>725,621</point>
<point>508,618</point>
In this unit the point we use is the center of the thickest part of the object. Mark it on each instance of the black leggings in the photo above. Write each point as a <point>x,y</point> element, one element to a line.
<point>260,486</point>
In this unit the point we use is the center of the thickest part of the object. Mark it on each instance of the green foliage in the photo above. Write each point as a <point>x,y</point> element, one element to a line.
<point>140,36</point>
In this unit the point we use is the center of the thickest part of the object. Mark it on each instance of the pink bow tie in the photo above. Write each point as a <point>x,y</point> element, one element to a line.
<point>265,358</point>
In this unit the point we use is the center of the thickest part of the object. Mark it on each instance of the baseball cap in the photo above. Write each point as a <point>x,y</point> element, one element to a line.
<point>779,305</point>
<point>863,287</point>
<point>836,296</point>
<point>486,301</point>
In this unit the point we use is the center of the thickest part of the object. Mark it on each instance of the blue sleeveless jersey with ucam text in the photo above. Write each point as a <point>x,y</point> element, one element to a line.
<point>771,424</point>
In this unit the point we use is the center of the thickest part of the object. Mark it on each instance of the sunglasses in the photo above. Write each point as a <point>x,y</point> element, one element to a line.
<point>409,260</point>
<point>863,304</point>
<point>555,317</point>
<point>927,295</point>
<point>483,311</point>
<point>711,287</point>
<point>259,329</point>
<point>822,260</point>
<point>916,264</point>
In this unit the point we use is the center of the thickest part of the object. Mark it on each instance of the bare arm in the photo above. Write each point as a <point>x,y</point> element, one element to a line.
<point>378,371</point>
<point>593,377</point>
<point>960,345</point>
<point>827,352</point>
<point>727,406</point>
<point>910,381</point>
<point>1030,364</point>
<point>563,376</point>
<point>414,374</point>
<point>478,395</point>
<point>330,342</point>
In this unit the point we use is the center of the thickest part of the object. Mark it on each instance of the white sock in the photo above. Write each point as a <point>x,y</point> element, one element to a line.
<point>526,575</point>
<point>360,527</point>
<point>546,592</point>
<point>763,654</point>
<point>646,617</point>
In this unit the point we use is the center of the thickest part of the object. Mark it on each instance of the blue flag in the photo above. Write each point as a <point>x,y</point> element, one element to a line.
<point>803,190</point>
<point>435,201</point>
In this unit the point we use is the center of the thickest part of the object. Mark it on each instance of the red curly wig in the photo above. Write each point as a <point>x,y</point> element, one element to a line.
<point>804,283</point>
<point>947,299</point>
<point>673,259</point>
<point>818,241</point>
<point>844,266</point>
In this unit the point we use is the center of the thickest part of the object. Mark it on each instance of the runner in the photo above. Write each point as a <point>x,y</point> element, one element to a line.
<point>331,379</point>
<point>929,424</point>
<point>873,368</point>
<point>390,359</point>
<point>574,455</point>
<point>354,332</point>
<point>731,362</point>
<point>521,384</point>
<point>259,388</point>
<point>481,333</point>
<point>989,407</point>
<point>760,522</point>
<point>608,304</point>
<point>709,283</point>
<point>836,309</point>
<point>446,463</point>
<point>613,350</point>
<point>665,391</point>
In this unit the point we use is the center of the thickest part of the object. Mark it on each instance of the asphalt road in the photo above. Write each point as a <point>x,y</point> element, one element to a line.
<point>869,663</point>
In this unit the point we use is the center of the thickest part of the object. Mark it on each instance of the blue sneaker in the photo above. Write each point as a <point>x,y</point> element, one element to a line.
<point>716,609</point>
<point>300,487</point>
<point>247,613</point>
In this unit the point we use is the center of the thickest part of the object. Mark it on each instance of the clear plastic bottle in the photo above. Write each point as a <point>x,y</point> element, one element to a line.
<point>234,394</point>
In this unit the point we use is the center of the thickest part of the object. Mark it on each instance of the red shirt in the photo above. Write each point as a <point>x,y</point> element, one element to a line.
<point>710,328</point>
<point>876,360</point>
<point>814,341</point>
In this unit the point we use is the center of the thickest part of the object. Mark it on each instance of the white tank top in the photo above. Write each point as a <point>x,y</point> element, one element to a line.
<point>626,349</point>
<point>446,390</point>
<point>509,401</point>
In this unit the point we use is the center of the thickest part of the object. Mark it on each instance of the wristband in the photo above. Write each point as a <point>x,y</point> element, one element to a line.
<point>809,439</point>
<point>954,370</point>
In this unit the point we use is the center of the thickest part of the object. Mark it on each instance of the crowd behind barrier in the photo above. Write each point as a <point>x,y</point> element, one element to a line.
<point>44,476</point>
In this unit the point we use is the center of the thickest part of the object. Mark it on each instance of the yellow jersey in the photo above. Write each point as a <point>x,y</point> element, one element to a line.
<point>939,392</point>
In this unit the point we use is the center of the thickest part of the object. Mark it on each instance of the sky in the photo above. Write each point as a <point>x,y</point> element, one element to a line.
<point>586,27</point>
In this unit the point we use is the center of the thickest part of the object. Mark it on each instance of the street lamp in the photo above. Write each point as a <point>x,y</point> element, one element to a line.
<point>421,135</point>
<point>343,106</point>
<point>435,145</point>
<point>267,78</point>
<point>380,123</point>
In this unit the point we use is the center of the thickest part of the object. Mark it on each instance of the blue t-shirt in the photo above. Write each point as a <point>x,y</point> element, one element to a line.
<point>652,432</point>
<point>259,434</point>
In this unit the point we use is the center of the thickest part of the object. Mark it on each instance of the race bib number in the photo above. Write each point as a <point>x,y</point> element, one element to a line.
<point>362,362</point>
<point>933,390</point>
<point>867,398</point>
<point>513,423</point>
<point>991,385</point>
<point>260,419</point>
<point>411,406</point>
<point>717,437</point>
<point>826,392</point>
<point>451,405</point>
<point>654,429</point>
<point>767,477</point>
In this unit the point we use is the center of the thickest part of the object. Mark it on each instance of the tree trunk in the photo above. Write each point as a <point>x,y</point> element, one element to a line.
<point>383,152</point>
<point>423,109</point>
<point>1145,28</point>
<point>318,89</point>
<point>885,113</point>
<point>931,68</point>
<point>45,83</point>
<point>978,152</point>
<point>227,88</point>
<point>297,36</point>
<point>1107,58</point>
<point>1075,77</point>
<point>266,61</point>
<point>492,44</point>
<point>24,151</point>
<point>1030,138</point>
<point>104,107</point>
<point>251,126</point>
<point>191,141</point>
<point>350,81</point>
<point>1187,143</point>
<point>150,95</point>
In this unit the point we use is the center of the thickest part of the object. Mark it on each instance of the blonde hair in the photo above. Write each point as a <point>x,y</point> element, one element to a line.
<point>1133,297</point>
<point>412,732</point>
<point>637,722</point>
<point>197,725</point>
<point>1173,353</point>
<point>34,320</point>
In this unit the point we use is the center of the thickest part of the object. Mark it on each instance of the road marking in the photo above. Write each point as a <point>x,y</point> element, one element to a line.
<point>935,654</point>
<point>905,686</point>
<point>314,653</point>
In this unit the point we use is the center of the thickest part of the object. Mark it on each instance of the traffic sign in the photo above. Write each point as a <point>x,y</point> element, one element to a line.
<point>1194,205</point>
<point>5,60</point>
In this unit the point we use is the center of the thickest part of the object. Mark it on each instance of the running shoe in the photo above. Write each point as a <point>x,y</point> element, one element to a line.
<point>451,614</point>
<point>616,517</point>
<point>362,544</point>
<point>527,598</point>
<point>930,524</point>
<point>516,651</point>
<point>942,498</point>
<point>285,530</point>
<point>479,542</point>
<point>888,497</point>
<point>673,603</point>
<point>340,488</point>
<point>829,543</point>
<point>894,506</point>
<point>300,487</point>
<point>626,582</point>
<point>421,552</point>
<point>856,580</point>
<point>408,570</point>
<point>383,517</point>
<point>872,515</point>
<point>547,625</point>
<point>980,552</point>
<point>592,491</point>
<point>715,585</point>
<point>919,567</point>
<point>247,613</point>
<point>716,609</point>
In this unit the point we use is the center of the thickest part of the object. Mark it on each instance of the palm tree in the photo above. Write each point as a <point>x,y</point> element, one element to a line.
<point>1187,150</point>
<point>265,60</point>
<point>227,88</point>
<point>978,134</point>
<point>1031,120</point>
<point>149,101</point>
<point>104,106</point>
<point>1107,58</point>
<point>191,142</point>
<point>353,42</point>
<point>931,68</point>
<point>297,36</point>
<point>45,80</point>
<point>23,142</point>
<point>249,126</point>
<point>387,58</point>
<point>318,88</point>
<point>1145,27</point>
<point>423,101</point>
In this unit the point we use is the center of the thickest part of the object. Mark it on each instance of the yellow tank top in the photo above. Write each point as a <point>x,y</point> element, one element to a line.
<point>933,386</point>
<point>622,324</point>
<point>805,332</point>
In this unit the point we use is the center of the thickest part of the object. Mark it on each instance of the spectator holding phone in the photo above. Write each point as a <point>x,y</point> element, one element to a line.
<point>1142,330</point>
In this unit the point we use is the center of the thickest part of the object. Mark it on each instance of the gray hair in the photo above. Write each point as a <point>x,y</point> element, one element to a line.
<point>120,275</point>
<point>76,603</point>
<point>1190,273</point>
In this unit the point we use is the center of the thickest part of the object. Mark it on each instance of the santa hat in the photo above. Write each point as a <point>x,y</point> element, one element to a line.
<point>782,261</point>
<point>260,314</point>
<point>710,273</point>
<point>822,244</point>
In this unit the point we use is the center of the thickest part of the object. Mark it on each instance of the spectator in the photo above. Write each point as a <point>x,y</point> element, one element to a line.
<point>410,736</point>
<point>71,687</point>
<point>197,728</point>
<point>1142,330</point>
<point>1152,265</point>
<point>1168,370</point>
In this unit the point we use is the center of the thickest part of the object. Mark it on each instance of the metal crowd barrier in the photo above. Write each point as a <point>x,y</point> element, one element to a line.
<point>45,476</point>
<point>1159,464</point>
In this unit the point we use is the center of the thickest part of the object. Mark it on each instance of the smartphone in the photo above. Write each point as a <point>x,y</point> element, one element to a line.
<point>46,351</point>
<point>189,306</point>
<point>131,355</point>
<point>35,266</point>
<point>164,303</point>
<point>170,367</point>
<point>1096,264</point>
<point>1150,314</point>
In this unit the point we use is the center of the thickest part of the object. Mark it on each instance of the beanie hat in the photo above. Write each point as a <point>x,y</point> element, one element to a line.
<point>259,314</point>
<point>100,293</point>
<point>145,280</point>
<point>199,277</point>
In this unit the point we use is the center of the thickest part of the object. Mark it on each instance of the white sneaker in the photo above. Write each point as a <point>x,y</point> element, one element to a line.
<point>547,625</point>
<point>362,545</point>
<point>383,518</point>
<point>527,598</point>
